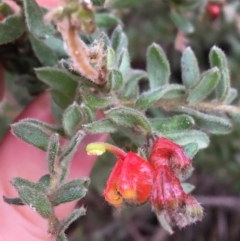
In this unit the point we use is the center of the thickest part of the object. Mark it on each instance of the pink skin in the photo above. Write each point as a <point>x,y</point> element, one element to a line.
<point>20,159</point>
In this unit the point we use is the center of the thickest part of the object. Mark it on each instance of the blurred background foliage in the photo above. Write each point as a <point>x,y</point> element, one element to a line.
<point>217,168</point>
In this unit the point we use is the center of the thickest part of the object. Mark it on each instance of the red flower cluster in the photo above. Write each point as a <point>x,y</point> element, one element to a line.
<point>135,180</point>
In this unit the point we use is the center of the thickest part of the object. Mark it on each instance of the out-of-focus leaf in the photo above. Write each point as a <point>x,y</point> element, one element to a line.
<point>34,19</point>
<point>187,187</point>
<point>11,28</point>
<point>61,100</point>
<point>119,40</point>
<point>58,80</point>
<point>45,55</point>
<point>181,23</point>
<point>106,20</point>
<point>123,4</point>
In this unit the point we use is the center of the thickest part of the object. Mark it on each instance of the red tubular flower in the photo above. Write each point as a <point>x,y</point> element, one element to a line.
<point>167,153</point>
<point>167,192</point>
<point>131,180</point>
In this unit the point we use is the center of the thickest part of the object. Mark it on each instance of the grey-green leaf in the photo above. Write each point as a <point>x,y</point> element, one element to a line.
<point>181,23</point>
<point>52,152</point>
<point>189,136</point>
<point>130,118</point>
<point>14,201</point>
<point>70,219</point>
<point>123,4</point>
<point>207,84</point>
<point>61,99</point>
<point>71,148</point>
<point>208,122</point>
<point>72,119</point>
<point>124,63</point>
<point>45,180</point>
<point>218,58</point>
<point>190,69</point>
<point>231,96</point>
<point>172,124</point>
<point>187,187</point>
<point>31,134</point>
<point>70,191</point>
<point>157,66</point>
<point>62,237</point>
<point>111,57</point>
<point>115,80</point>
<point>96,101</point>
<point>131,88</point>
<point>106,20</point>
<point>5,9</point>
<point>147,99</point>
<point>37,201</point>
<point>44,126</point>
<point>119,40</point>
<point>34,18</point>
<point>164,223</point>
<point>45,55</point>
<point>11,28</point>
<point>58,80</point>
<point>191,149</point>
<point>100,126</point>
<point>19,183</point>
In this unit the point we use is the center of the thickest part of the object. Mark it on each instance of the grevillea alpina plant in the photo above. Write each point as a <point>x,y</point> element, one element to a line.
<point>86,70</point>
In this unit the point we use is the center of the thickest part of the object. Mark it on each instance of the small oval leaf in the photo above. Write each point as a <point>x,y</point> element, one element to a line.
<point>189,136</point>
<point>11,28</point>
<point>58,80</point>
<point>218,58</point>
<point>207,84</point>
<point>100,126</point>
<point>52,152</point>
<point>37,201</point>
<point>31,134</point>
<point>130,118</point>
<point>70,191</point>
<point>190,69</point>
<point>147,99</point>
<point>34,19</point>
<point>172,124</point>
<point>158,67</point>
<point>208,122</point>
<point>72,119</point>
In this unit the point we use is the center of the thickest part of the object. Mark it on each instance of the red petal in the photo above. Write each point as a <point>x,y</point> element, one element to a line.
<point>110,193</point>
<point>167,153</point>
<point>135,180</point>
<point>167,192</point>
